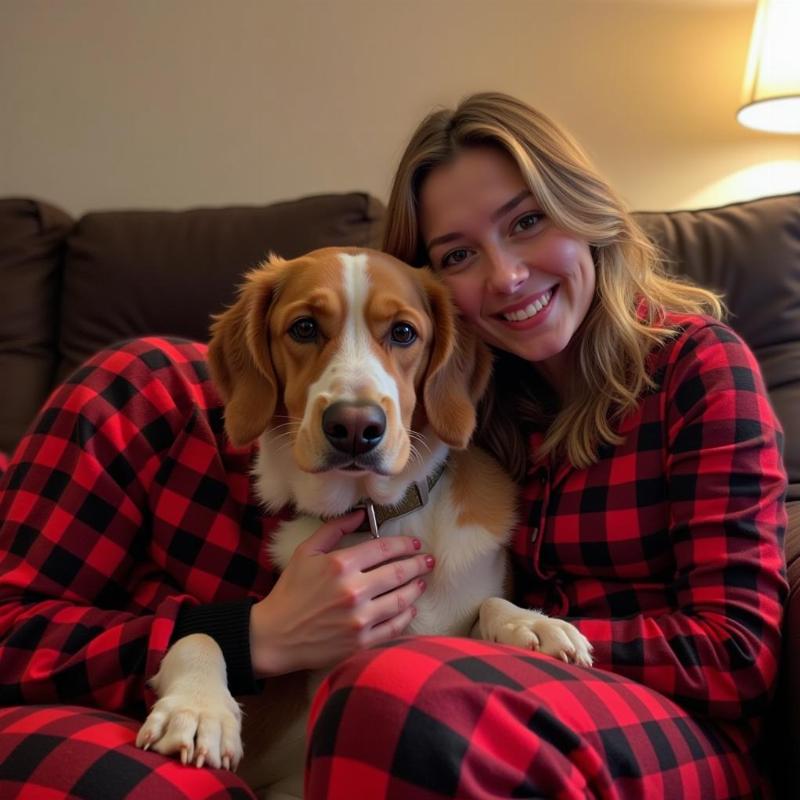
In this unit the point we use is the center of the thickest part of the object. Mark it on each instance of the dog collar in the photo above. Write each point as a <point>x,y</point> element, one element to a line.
<point>416,497</point>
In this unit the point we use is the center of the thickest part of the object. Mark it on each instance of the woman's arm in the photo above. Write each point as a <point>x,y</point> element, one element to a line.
<point>718,654</point>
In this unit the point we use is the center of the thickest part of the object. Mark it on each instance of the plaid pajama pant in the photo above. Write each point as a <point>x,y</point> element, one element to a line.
<point>64,752</point>
<point>419,718</point>
<point>433,718</point>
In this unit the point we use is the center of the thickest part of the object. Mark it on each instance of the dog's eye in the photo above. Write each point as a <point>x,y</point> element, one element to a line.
<point>304,330</point>
<point>403,334</point>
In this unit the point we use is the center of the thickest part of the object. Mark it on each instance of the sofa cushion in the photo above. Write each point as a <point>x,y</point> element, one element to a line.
<point>751,253</point>
<point>129,273</point>
<point>32,238</point>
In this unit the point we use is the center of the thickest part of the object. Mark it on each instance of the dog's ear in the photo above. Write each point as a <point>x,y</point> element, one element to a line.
<point>239,359</point>
<point>459,369</point>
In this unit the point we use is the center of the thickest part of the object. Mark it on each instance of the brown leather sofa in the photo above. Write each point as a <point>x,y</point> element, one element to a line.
<point>68,287</point>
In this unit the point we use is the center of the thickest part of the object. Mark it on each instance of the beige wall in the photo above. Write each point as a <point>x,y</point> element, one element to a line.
<point>172,103</point>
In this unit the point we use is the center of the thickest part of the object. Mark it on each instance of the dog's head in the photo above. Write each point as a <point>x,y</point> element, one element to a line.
<point>346,353</point>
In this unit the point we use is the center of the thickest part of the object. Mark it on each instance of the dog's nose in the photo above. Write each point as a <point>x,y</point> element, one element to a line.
<point>354,428</point>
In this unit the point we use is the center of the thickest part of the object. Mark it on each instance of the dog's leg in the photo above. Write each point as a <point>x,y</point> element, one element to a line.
<point>195,715</point>
<point>503,622</point>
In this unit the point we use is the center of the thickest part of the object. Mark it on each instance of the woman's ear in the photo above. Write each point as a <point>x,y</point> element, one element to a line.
<point>239,359</point>
<point>459,369</point>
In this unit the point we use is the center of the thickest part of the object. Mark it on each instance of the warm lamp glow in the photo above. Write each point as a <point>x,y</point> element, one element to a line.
<point>771,91</point>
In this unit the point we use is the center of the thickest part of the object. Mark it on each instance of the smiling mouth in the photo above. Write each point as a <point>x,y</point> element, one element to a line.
<point>532,309</point>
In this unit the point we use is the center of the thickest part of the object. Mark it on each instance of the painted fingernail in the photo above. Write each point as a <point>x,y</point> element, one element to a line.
<point>421,583</point>
<point>430,561</point>
<point>417,543</point>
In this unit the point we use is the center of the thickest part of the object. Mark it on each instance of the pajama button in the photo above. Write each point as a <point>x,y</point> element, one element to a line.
<point>534,534</point>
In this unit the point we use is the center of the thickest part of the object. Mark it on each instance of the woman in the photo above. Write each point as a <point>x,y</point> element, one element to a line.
<point>653,516</point>
<point>648,460</point>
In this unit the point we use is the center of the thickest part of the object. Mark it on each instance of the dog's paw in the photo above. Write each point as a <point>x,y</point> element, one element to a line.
<point>200,730</point>
<point>553,637</point>
<point>503,622</point>
<point>195,716</point>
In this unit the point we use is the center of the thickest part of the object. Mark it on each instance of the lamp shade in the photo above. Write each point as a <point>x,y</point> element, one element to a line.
<point>771,91</point>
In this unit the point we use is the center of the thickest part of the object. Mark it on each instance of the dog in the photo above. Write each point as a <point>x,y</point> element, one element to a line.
<point>369,361</point>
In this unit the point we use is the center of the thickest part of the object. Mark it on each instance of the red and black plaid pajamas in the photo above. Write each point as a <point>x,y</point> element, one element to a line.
<point>127,521</point>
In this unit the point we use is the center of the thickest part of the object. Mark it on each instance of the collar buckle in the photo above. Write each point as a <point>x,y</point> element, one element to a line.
<point>422,492</point>
<point>372,520</point>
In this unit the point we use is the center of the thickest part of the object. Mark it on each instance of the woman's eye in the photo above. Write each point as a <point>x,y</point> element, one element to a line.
<point>403,334</point>
<point>455,257</point>
<point>304,329</point>
<point>527,221</point>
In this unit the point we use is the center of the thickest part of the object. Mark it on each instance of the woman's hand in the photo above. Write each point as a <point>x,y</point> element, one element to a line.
<point>327,603</point>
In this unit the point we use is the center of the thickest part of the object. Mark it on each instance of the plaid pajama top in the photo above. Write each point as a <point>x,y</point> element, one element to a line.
<point>126,520</point>
<point>667,553</point>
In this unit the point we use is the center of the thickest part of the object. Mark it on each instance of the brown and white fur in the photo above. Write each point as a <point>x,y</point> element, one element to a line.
<point>427,392</point>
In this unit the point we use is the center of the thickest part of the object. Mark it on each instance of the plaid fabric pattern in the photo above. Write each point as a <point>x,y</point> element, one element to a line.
<point>432,718</point>
<point>122,505</point>
<point>73,753</point>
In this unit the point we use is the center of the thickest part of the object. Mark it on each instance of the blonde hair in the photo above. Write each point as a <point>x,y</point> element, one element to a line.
<point>633,292</point>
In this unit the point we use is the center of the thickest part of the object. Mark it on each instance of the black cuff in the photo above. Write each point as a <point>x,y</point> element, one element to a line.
<point>229,625</point>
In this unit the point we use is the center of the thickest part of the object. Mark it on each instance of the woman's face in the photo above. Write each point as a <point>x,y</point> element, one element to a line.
<point>523,283</point>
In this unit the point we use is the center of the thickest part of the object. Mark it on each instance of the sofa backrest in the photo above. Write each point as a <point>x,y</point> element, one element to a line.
<point>71,288</point>
<point>129,273</point>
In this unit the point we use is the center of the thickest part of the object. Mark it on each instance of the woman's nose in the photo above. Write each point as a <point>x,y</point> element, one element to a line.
<point>507,271</point>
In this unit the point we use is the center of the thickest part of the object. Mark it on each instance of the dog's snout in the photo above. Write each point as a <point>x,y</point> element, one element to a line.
<point>354,428</point>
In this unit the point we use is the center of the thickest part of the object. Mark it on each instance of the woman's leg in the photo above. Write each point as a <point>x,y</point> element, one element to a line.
<point>432,717</point>
<point>67,752</point>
